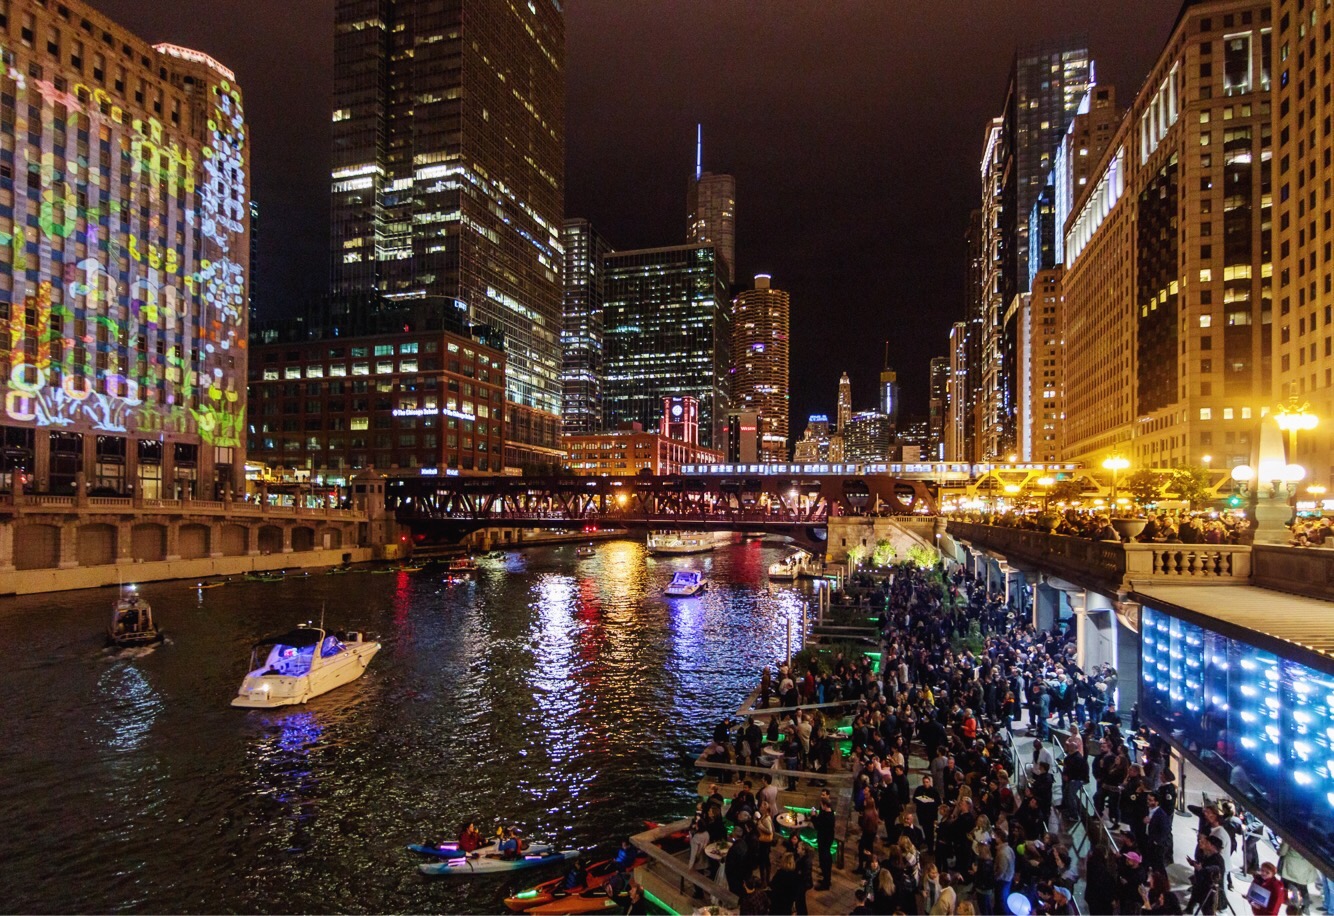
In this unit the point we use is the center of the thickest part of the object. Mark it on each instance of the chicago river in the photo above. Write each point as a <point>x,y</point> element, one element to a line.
<point>564,695</point>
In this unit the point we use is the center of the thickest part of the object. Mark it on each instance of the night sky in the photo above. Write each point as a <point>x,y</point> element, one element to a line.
<point>854,130</point>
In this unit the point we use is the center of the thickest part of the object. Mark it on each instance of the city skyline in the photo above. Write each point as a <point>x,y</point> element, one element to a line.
<point>875,133</point>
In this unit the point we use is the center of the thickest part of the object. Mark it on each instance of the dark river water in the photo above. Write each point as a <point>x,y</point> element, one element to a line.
<point>564,695</point>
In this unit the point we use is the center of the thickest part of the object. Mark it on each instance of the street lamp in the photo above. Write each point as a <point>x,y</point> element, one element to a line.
<point>1116,464</point>
<point>1046,483</point>
<point>1292,417</point>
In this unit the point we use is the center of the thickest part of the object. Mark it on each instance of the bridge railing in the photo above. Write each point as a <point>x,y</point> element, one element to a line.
<point>1114,564</point>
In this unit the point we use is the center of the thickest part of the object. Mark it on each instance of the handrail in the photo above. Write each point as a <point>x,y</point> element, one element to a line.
<point>834,776</point>
<point>646,842</point>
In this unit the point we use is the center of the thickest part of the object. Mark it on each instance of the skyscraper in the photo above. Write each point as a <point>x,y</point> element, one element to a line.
<point>711,212</point>
<point>939,406</point>
<point>1047,84</point>
<point>124,232</point>
<point>844,403</point>
<point>760,356</point>
<point>1169,259</point>
<point>666,333</point>
<point>581,327</point>
<point>889,390</point>
<point>448,168</point>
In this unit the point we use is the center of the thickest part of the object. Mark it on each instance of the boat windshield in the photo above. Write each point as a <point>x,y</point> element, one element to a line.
<point>685,578</point>
<point>289,661</point>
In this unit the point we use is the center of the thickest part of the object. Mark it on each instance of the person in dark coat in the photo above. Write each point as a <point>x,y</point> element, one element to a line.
<point>824,839</point>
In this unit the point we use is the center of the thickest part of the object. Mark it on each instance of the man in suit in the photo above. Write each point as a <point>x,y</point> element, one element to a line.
<point>1158,832</point>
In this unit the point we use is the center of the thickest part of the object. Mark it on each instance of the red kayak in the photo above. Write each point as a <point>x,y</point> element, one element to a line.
<point>553,891</point>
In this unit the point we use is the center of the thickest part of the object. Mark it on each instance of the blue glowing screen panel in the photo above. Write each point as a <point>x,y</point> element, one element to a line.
<point>1259,723</point>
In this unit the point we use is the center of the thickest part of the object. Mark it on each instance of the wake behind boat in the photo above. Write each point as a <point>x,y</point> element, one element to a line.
<point>302,664</point>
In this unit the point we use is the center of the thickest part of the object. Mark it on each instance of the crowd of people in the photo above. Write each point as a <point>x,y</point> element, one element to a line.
<point>946,818</point>
<point>1174,527</point>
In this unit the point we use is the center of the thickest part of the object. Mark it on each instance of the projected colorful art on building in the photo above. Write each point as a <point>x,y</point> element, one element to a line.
<point>125,249</point>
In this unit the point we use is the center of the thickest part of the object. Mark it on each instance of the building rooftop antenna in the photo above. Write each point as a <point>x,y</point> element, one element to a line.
<point>699,151</point>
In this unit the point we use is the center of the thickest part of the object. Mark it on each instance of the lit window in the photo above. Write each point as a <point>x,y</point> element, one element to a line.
<point>292,372</point>
<point>1245,413</point>
<point>361,368</point>
<point>270,375</point>
<point>1206,413</point>
<point>384,365</point>
<point>361,423</point>
<point>314,372</point>
<point>338,370</point>
<point>1206,321</point>
<point>1227,413</point>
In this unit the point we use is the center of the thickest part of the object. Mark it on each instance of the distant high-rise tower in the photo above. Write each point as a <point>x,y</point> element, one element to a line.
<point>760,360</point>
<point>448,168</point>
<point>581,327</point>
<point>844,403</point>
<point>939,406</point>
<point>711,211</point>
<point>889,390</point>
<point>667,333</point>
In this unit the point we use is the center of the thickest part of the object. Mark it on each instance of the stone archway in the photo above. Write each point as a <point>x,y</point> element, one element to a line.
<point>235,539</point>
<point>97,545</point>
<point>303,538</point>
<point>148,542</point>
<point>36,546</point>
<point>270,539</point>
<point>193,542</point>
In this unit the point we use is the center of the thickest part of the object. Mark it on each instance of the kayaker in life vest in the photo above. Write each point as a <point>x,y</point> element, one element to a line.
<point>509,845</point>
<point>470,837</point>
<point>577,877</point>
<point>626,855</point>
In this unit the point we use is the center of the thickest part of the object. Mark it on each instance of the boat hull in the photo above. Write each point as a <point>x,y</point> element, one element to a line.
<point>268,691</point>
<point>487,865</point>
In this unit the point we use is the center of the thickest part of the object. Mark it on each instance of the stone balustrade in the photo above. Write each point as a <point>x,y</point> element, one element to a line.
<point>30,504</point>
<point>1112,565</point>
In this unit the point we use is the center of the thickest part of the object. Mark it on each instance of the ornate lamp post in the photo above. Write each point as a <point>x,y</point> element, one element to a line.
<point>1292,417</point>
<point>1116,464</point>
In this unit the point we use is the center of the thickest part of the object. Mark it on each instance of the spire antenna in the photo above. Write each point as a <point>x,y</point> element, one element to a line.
<point>699,151</point>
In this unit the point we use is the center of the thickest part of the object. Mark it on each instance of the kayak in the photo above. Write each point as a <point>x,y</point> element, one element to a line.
<point>594,901</point>
<point>597,876</point>
<point>450,849</point>
<point>493,864</point>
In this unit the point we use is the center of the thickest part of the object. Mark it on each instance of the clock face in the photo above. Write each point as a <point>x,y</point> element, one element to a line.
<point>676,410</point>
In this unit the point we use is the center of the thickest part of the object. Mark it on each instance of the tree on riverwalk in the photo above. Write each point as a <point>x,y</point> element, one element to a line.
<point>1145,485</point>
<point>1190,484</point>
<point>883,554</point>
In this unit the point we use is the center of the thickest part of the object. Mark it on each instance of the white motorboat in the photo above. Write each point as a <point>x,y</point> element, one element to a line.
<point>301,664</point>
<point>585,552</point>
<point>680,543</point>
<point>687,583</point>
<point>132,622</point>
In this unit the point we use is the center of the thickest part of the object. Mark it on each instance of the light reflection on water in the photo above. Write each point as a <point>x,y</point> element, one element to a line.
<point>565,695</point>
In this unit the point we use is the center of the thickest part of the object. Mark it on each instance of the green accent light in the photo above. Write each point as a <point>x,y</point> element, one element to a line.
<point>526,895</point>
<point>656,901</point>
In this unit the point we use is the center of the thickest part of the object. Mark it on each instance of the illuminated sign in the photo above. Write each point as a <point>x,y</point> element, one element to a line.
<point>433,412</point>
<point>196,57</point>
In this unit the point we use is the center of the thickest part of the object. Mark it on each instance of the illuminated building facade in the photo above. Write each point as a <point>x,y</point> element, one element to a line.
<point>844,404</point>
<point>743,437</point>
<point>1304,226</point>
<point>868,437</point>
<point>1047,84</point>
<point>1169,256</point>
<point>761,357</point>
<point>667,332</point>
<point>813,446</point>
<point>412,389</point>
<point>123,294</point>
<point>448,176</point>
<point>938,405</point>
<point>631,451</point>
<point>1042,371</point>
<point>957,395</point>
<point>581,327</point>
<point>992,407</point>
<point>711,212</point>
<point>889,390</point>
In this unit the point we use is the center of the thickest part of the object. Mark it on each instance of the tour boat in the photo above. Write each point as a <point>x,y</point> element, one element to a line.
<point>687,583</point>
<point>132,622</point>
<point>301,664</point>
<point>585,552</point>
<point>679,543</point>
